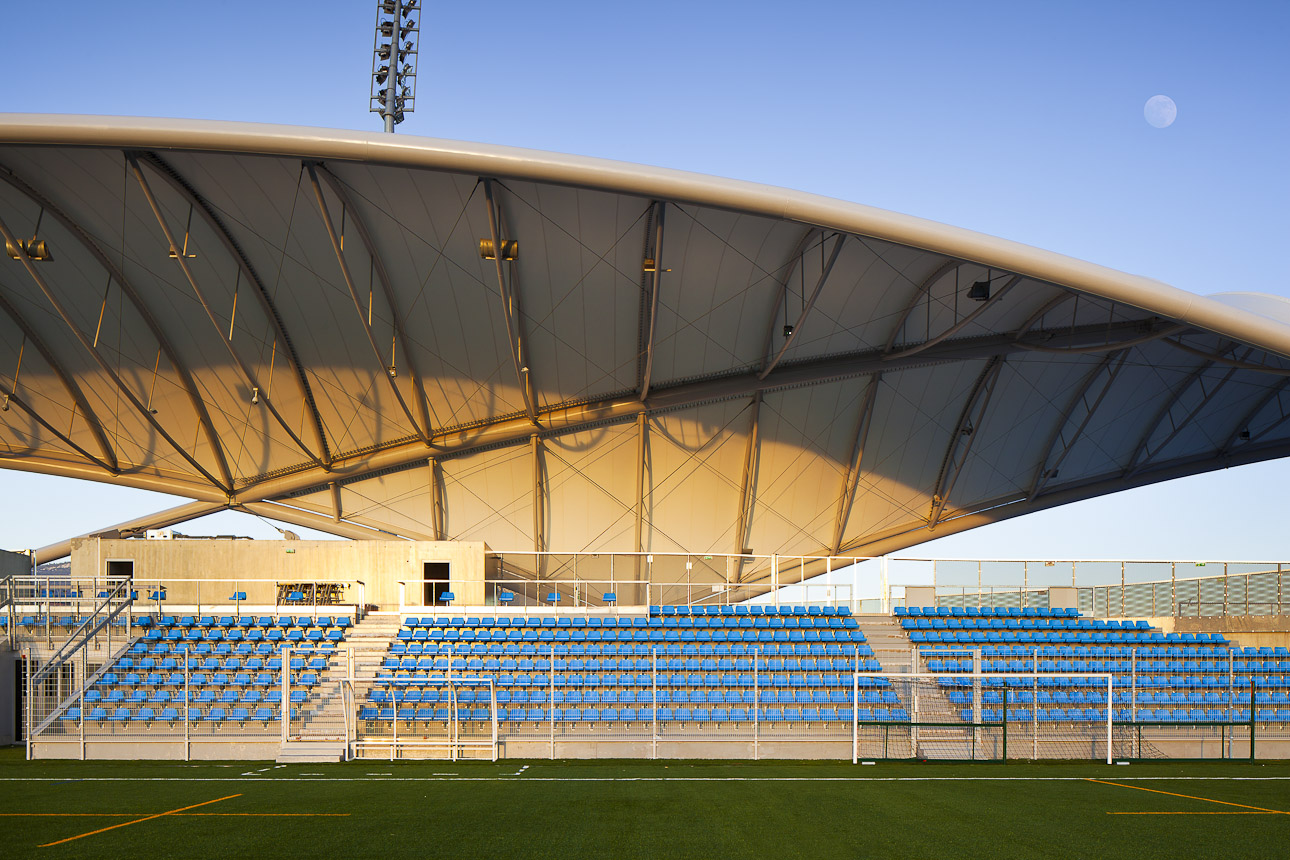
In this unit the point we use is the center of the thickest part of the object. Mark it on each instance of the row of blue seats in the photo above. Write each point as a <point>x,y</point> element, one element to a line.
<point>216,715</point>
<point>1039,637</point>
<point>219,634</point>
<point>1142,666</point>
<point>200,697</point>
<point>202,679</point>
<point>629,664</point>
<point>1121,716</point>
<point>1147,652</point>
<point>1051,624</point>
<point>1124,680</point>
<point>1184,683</point>
<point>634,715</point>
<point>750,609</point>
<point>633,635</point>
<point>264,622</point>
<point>549,622</point>
<point>216,664</point>
<point>224,649</point>
<point>643,697</point>
<point>1119,697</point>
<point>641,649</point>
<point>984,612</point>
<point>747,680</point>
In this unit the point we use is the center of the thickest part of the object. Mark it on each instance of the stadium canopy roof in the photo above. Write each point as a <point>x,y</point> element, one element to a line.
<point>309,325</point>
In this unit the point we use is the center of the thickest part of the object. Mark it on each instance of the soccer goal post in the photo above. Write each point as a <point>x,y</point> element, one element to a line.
<point>985,716</point>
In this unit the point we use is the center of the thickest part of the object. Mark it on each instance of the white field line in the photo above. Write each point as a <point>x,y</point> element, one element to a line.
<point>509,778</point>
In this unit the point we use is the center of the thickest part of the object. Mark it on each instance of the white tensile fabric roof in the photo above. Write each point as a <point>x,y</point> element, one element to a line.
<point>302,323</point>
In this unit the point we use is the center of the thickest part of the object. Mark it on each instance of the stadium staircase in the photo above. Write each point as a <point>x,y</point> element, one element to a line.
<point>320,734</point>
<point>893,649</point>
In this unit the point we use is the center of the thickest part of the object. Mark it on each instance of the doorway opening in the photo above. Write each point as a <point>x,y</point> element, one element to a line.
<point>435,577</point>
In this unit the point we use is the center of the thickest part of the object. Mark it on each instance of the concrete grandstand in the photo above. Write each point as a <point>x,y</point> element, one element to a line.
<point>585,422</point>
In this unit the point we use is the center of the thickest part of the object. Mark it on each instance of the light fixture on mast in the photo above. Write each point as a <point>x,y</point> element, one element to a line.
<point>395,24</point>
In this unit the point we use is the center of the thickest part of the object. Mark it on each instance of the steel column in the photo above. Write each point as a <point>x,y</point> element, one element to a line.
<point>956,453</point>
<point>387,286</point>
<point>511,313</point>
<point>225,482</point>
<point>748,484</point>
<point>1112,364</point>
<point>176,252</point>
<point>203,208</point>
<point>649,304</point>
<point>852,478</point>
<point>109,459</point>
<point>387,371</point>
<point>806,310</point>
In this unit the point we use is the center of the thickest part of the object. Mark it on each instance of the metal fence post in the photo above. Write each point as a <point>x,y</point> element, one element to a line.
<point>1034,703</point>
<point>81,686</point>
<point>654,693</point>
<point>551,699</point>
<point>1133,684</point>
<point>855,708</point>
<point>756,704</point>
<point>188,704</point>
<point>1231,665</point>
<point>285,714</point>
<point>31,695</point>
<point>1110,696</point>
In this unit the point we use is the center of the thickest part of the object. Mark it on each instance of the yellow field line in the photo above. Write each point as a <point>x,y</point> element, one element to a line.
<point>1189,797</point>
<point>139,820</point>
<point>175,814</point>
<point>1198,813</point>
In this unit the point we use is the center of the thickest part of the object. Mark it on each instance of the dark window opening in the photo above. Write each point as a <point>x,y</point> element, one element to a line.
<point>120,568</point>
<point>436,583</point>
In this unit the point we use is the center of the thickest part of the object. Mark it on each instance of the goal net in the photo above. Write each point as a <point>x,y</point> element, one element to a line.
<point>992,716</point>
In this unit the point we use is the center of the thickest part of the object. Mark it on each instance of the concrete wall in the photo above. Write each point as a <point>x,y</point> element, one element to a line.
<point>209,571</point>
<point>1254,631</point>
<point>920,595</point>
<point>14,563</point>
<point>1063,597</point>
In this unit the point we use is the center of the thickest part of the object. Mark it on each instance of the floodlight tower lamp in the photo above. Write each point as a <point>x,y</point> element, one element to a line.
<point>394,24</point>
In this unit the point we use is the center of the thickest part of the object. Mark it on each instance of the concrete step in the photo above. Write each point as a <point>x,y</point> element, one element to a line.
<point>311,751</point>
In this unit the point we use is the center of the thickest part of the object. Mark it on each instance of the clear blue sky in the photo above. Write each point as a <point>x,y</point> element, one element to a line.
<point>1022,120</point>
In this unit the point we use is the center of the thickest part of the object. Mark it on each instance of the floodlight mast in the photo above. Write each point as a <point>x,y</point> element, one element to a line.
<point>394,61</point>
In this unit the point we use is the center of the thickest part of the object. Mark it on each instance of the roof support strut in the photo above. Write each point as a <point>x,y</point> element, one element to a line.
<point>438,524</point>
<point>1243,425</point>
<point>161,519</point>
<point>387,286</point>
<point>571,419</point>
<point>748,484</point>
<point>1106,370</point>
<point>510,304</point>
<point>176,252</point>
<point>642,449</point>
<point>386,370</point>
<point>539,502</point>
<point>806,309</point>
<point>1206,396</point>
<point>852,479</point>
<point>1162,414</point>
<point>107,457</point>
<point>965,433</point>
<point>652,268</point>
<point>235,253</point>
<point>225,481</point>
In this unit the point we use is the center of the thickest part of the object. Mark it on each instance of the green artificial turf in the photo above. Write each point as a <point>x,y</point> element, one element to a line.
<point>635,809</point>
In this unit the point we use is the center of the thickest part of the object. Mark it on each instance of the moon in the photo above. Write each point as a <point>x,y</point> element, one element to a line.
<point>1160,111</point>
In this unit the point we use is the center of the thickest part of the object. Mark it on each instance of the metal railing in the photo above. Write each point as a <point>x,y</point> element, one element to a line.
<point>1103,588</point>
